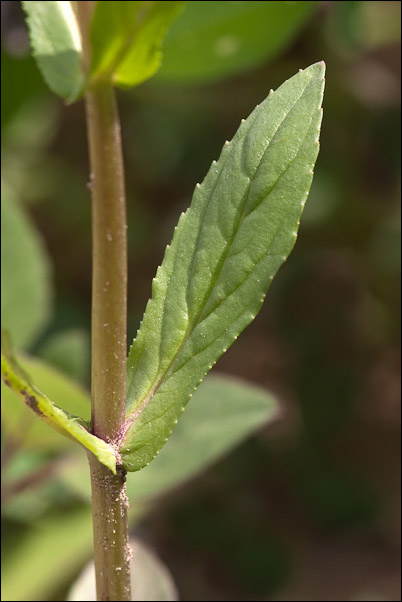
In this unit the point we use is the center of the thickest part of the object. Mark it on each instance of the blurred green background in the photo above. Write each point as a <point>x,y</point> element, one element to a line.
<point>309,508</point>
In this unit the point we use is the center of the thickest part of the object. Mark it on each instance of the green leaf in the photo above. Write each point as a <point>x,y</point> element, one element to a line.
<point>73,427</point>
<point>210,40</point>
<point>56,43</point>
<point>25,274</point>
<point>241,226</point>
<point>126,38</point>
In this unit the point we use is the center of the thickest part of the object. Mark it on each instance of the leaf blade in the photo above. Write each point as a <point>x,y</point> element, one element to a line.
<point>241,226</point>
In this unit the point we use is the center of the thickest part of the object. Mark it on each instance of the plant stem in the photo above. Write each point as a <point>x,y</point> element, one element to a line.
<point>109,299</point>
<point>109,265</point>
<point>109,326</point>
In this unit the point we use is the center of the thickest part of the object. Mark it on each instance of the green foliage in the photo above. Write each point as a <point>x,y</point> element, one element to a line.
<point>227,247</point>
<point>205,43</point>
<point>241,226</point>
<point>125,43</point>
<point>130,52</point>
<point>25,274</point>
<point>56,44</point>
<point>332,321</point>
<point>211,40</point>
<point>71,426</point>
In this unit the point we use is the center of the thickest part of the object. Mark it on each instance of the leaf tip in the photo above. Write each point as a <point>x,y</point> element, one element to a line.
<point>318,69</point>
<point>321,66</point>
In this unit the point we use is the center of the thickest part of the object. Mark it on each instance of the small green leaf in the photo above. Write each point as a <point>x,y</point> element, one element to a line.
<point>73,427</point>
<point>56,43</point>
<point>241,226</point>
<point>126,38</point>
<point>218,39</point>
<point>25,274</point>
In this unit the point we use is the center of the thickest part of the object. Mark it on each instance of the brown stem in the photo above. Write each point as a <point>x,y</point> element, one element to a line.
<point>109,326</point>
<point>109,264</point>
<point>109,294</point>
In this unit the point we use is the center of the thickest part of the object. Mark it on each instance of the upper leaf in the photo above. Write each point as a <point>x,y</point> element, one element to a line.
<point>72,427</point>
<point>56,44</point>
<point>126,39</point>
<point>241,226</point>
